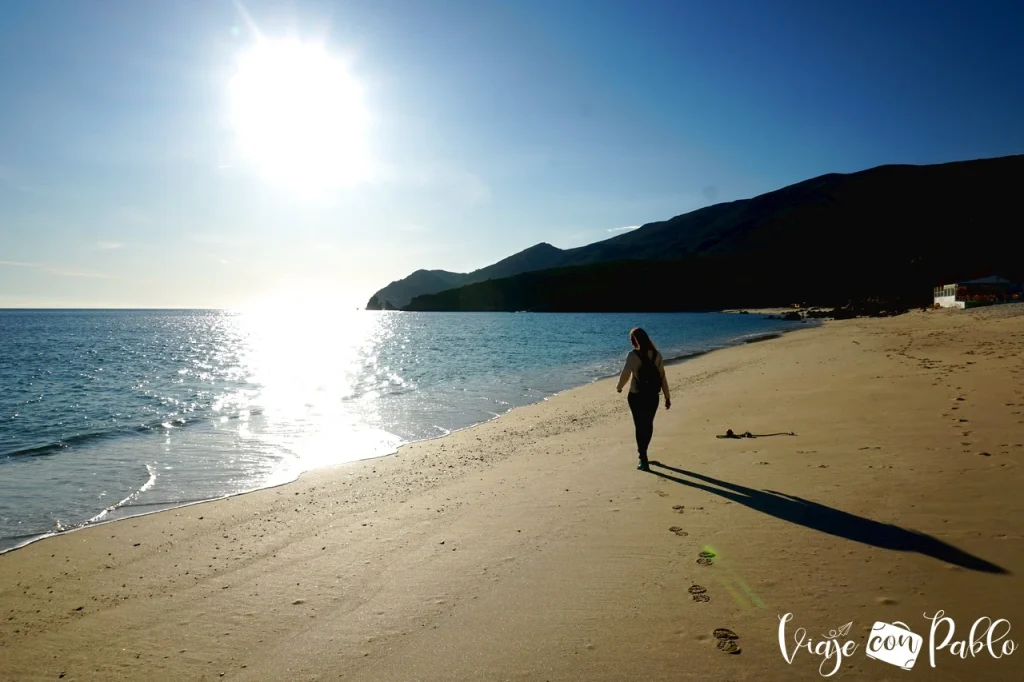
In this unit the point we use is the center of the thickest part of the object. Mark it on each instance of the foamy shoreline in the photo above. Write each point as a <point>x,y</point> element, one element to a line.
<point>100,517</point>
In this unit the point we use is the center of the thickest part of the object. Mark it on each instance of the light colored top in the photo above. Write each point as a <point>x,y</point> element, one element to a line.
<point>632,366</point>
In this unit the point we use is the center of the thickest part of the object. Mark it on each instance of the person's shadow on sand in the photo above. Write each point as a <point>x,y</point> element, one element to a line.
<point>832,521</point>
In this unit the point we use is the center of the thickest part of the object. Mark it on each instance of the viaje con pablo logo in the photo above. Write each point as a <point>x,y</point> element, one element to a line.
<point>896,644</point>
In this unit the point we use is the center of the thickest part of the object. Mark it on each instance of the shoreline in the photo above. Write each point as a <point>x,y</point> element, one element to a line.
<point>674,360</point>
<point>528,547</point>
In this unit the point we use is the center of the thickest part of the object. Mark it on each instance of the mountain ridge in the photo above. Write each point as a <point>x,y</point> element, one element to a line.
<point>884,204</point>
<point>400,292</point>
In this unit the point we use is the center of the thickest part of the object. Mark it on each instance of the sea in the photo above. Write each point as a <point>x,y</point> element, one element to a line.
<point>106,414</point>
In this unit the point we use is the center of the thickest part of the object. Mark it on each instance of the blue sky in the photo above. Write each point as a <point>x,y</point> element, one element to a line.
<point>491,126</point>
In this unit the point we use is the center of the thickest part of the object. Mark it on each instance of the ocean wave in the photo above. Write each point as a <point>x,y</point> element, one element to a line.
<point>311,396</point>
<point>126,501</point>
<point>754,338</point>
<point>161,424</point>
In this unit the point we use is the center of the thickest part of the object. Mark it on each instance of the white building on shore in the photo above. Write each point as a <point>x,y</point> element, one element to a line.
<point>945,297</point>
<point>975,292</point>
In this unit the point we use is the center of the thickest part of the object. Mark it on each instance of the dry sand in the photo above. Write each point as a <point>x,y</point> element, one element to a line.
<point>529,548</point>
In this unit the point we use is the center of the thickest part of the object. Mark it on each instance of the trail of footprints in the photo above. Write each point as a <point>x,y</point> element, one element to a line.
<point>961,423</point>
<point>1000,348</point>
<point>726,640</point>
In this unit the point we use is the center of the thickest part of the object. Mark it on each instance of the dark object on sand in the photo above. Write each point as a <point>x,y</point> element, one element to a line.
<point>747,434</point>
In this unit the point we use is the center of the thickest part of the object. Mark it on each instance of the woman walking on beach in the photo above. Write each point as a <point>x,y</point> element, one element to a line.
<point>645,366</point>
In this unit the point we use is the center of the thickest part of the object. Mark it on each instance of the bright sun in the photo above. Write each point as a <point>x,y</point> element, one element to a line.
<point>299,116</point>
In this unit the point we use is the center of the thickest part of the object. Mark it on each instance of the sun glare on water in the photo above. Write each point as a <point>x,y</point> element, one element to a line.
<point>313,369</point>
<point>298,115</point>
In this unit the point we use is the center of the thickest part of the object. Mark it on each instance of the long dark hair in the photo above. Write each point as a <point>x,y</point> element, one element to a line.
<point>638,337</point>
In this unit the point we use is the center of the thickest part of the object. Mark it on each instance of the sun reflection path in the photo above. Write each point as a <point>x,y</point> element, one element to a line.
<point>309,367</point>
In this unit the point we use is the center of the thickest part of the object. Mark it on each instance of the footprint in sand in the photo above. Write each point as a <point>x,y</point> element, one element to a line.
<point>728,641</point>
<point>679,531</point>
<point>678,508</point>
<point>661,493</point>
<point>699,592</point>
<point>706,558</point>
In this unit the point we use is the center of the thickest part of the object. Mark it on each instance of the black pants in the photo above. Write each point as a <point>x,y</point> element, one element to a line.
<point>643,406</point>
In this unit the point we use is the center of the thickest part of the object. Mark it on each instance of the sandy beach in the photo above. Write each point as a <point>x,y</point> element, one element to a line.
<point>529,548</point>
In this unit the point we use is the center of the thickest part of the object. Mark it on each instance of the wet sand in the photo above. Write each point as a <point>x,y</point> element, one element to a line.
<point>529,548</point>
